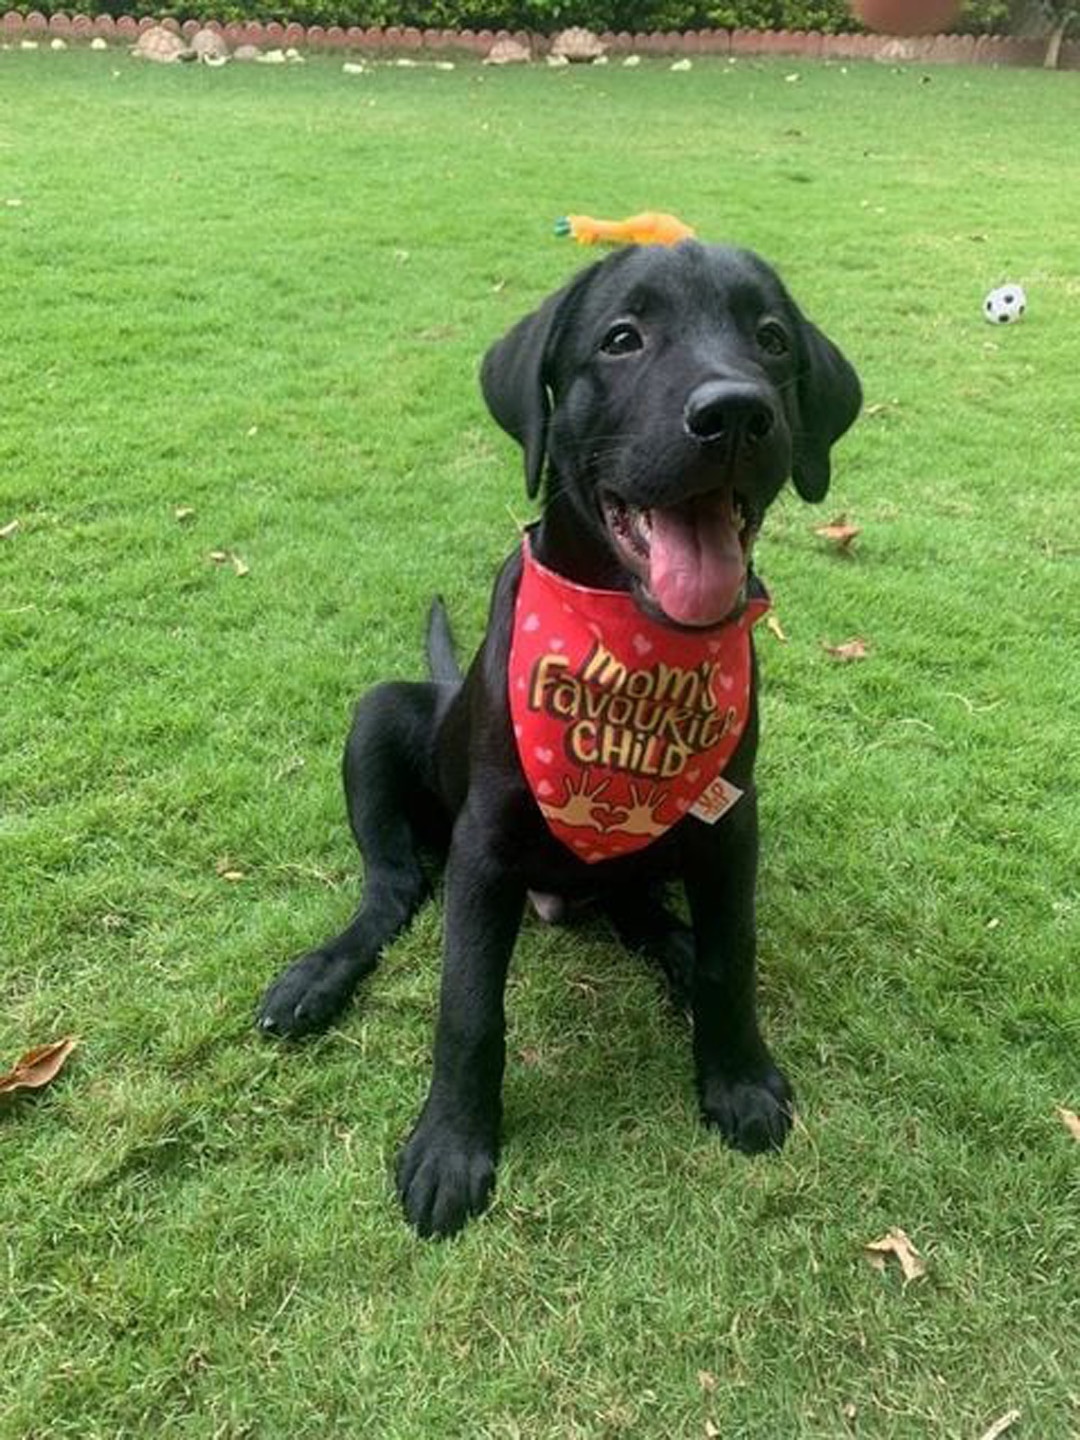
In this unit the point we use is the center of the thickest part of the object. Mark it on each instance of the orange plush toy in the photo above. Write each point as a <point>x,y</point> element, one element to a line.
<point>649,228</point>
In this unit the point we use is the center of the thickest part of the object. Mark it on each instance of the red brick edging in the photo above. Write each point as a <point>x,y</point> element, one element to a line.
<point>928,49</point>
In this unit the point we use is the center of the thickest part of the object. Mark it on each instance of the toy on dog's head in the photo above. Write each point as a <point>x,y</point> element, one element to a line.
<point>652,227</point>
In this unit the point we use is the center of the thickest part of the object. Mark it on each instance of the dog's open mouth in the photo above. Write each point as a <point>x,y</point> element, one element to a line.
<point>690,559</point>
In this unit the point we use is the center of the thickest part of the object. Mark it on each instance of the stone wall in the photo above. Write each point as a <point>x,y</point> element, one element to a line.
<point>925,50</point>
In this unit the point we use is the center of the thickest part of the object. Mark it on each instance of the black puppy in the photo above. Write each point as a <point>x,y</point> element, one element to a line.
<point>663,397</point>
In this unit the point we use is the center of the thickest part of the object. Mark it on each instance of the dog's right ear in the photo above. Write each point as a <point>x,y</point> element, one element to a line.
<point>518,377</point>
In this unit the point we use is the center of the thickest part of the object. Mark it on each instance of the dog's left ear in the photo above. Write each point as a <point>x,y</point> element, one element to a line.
<point>517,375</point>
<point>829,399</point>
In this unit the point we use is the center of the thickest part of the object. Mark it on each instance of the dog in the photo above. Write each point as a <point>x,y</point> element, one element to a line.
<point>662,399</point>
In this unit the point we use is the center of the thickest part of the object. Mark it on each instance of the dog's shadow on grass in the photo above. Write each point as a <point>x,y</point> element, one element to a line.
<point>595,1045</point>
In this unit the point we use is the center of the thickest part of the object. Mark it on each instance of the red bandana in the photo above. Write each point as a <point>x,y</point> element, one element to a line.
<point>623,725</point>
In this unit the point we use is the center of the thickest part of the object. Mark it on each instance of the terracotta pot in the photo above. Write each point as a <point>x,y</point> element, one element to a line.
<point>906,17</point>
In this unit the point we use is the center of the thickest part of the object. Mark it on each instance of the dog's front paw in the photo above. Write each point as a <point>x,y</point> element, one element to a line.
<point>752,1112</point>
<point>444,1176</point>
<point>306,997</point>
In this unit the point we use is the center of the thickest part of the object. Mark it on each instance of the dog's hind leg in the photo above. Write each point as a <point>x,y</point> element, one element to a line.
<point>645,924</point>
<point>390,799</point>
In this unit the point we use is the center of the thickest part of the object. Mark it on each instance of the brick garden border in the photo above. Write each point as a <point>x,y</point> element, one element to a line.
<point>928,49</point>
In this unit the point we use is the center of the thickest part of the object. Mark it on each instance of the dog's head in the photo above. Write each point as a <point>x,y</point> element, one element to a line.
<point>667,394</point>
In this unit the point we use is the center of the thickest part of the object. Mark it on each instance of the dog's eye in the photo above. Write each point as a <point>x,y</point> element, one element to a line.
<point>772,337</point>
<point>622,339</point>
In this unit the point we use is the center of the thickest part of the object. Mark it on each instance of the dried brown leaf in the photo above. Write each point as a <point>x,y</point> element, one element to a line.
<point>707,1380</point>
<point>8,530</point>
<point>839,533</point>
<point>38,1067</point>
<point>1070,1120</point>
<point>898,1244</point>
<point>855,649</point>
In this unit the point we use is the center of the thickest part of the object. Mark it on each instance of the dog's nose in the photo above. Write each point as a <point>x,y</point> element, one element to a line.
<point>729,412</point>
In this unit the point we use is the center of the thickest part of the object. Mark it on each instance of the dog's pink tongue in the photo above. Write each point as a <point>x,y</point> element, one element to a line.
<point>696,564</point>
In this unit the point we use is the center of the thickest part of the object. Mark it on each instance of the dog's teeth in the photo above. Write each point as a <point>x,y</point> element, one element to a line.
<point>631,525</point>
<point>640,529</point>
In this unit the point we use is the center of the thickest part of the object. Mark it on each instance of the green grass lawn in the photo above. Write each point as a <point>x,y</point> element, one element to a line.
<point>261,295</point>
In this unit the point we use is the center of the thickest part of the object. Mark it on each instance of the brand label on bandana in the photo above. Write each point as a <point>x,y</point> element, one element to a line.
<point>623,725</point>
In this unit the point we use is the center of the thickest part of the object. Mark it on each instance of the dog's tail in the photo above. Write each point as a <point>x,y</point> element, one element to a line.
<point>442,659</point>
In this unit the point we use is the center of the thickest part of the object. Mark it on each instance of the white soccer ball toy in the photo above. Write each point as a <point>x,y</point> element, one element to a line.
<point>1005,304</point>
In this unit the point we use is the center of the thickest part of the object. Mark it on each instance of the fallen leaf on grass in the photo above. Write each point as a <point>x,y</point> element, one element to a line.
<point>898,1244</point>
<point>707,1380</point>
<point>839,533</point>
<point>775,628</point>
<point>227,870</point>
<point>856,649</point>
<point>8,530</point>
<point>1007,1421</point>
<point>1070,1120</point>
<point>184,512</point>
<point>38,1067</point>
<point>230,557</point>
